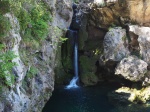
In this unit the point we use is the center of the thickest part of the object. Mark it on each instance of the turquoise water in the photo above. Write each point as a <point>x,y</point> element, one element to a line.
<point>88,99</point>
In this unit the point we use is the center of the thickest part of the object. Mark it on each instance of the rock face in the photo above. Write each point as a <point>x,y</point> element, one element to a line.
<point>132,68</point>
<point>144,40</point>
<point>34,72</point>
<point>133,10</point>
<point>114,44</point>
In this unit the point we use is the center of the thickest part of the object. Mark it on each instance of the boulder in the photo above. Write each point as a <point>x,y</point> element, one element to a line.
<point>114,44</point>
<point>132,68</point>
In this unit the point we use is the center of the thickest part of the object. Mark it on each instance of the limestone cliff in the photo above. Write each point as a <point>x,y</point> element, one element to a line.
<point>34,40</point>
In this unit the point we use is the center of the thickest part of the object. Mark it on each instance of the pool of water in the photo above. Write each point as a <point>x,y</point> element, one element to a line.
<point>87,99</point>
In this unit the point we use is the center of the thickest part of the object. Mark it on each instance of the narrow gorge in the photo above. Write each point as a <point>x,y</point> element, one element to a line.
<point>74,56</point>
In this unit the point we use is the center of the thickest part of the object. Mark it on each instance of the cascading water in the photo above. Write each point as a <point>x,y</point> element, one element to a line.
<point>74,27</point>
<point>73,82</point>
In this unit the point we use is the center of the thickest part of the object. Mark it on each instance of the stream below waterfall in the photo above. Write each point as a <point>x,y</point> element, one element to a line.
<point>87,99</point>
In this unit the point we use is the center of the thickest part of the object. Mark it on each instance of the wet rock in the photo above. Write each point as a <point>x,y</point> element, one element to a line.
<point>132,68</point>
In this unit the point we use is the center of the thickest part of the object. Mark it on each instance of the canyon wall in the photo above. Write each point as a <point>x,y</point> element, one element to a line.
<point>34,37</point>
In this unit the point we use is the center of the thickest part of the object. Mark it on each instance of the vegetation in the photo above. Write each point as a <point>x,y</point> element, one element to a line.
<point>4,7</point>
<point>34,23</point>
<point>32,72</point>
<point>5,27</point>
<point>4,22</point>
<point>76,1</point>
<point>6,65</point>
<point>33,19</point>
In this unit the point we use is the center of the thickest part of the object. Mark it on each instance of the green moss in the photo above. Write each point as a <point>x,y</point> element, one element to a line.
<point>87,64</point>
<point>89,78</point>
<point>88,69</point>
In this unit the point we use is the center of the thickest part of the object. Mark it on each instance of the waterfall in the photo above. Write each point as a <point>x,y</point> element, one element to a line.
<point>73,82</point>
<point>74,28</point>
<point>76,55</point>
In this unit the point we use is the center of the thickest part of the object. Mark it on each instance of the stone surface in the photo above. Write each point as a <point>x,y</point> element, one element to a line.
<point>132,68</point>
<point>144,41</point>
<point>30,92</point>
<point>134,11</point>
<point>87,71</point>
<point>127,95</point>
<point>146,80</point>
<point>114,48</point>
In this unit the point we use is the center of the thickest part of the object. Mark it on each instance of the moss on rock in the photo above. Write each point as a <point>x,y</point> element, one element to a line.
<point>88,69</point>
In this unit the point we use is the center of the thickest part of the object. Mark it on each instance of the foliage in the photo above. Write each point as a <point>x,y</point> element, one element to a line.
<point>33,17</point>
<point>6,65</point>
<point>32,72</point>
<point>24,19</point>
<point>63,39</point>
<point>4,7</point>
<point>76,1</point>
<point>34,23</point>
<point>5,26</point>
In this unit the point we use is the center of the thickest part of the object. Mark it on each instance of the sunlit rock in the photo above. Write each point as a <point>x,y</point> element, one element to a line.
<point>132,68</point>
<point>131,11</point>
<point>114,44</point>
<point>144,41</point>
<point>137,96</point>
<point>99,2</point>
<point>139,11</point>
